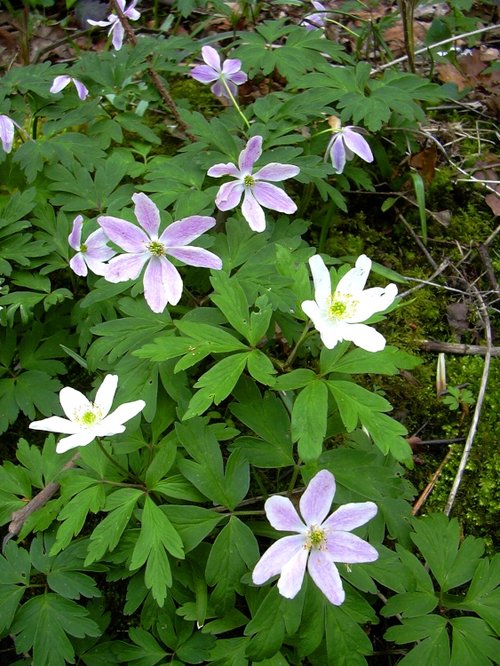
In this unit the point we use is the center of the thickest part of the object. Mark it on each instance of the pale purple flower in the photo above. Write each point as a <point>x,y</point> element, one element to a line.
<point>7,132</point>
<point>116,29</point>
<point>162,281</point>
<point>319,543</point>
<point>345,143</point>
<point>229,73</point>
<point>60,82</point>
<point>257,192</point>
<point>337,316</point>
<point>315,21</point>
<point>88,420</point>
<point>90,254</point>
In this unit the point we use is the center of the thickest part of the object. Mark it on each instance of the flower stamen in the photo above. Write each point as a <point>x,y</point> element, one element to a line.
<point>248,181</point>
<point>156,248</point>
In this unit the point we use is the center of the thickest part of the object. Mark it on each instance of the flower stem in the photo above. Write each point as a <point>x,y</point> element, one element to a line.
<point>294,351</point>
<point>295,474</point>
<point>111,459</point>
<point>235,103</point>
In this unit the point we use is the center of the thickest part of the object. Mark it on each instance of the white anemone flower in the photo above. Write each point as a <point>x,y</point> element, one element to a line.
<point>88,420</point>
<point>337,316</point>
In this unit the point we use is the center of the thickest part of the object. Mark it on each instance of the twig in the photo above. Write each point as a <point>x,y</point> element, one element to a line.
<point>428,489</point>
<point>418,241</point>
<point>444,264</point>
<point>464,35</point>
<point>477,411</point>
<point>20,516</point>
<point>456,348</point>
<point>485,257</point>
<point>155,77</point>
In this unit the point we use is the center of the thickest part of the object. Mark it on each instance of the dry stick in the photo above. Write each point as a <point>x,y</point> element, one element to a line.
<point>477,410</point>
<point>155,77</point>
<point>425,283</point>
<point>464,35</point>
<point>419,242</point>
<point>428,489</point>
<point>20,516</point>
<point>456,348</point>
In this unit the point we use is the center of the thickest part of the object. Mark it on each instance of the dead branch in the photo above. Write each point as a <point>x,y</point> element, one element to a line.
<point>456,348</point>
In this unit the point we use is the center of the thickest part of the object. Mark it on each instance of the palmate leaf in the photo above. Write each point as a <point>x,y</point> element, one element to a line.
<point>43,624</point>
<point>483,595</point>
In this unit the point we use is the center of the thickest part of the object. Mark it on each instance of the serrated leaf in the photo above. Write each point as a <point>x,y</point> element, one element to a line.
<point>309,415</point>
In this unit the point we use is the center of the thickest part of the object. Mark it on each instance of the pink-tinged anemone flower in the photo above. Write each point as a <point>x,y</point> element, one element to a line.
<point>345,143</point>
<point>318,543</point>
<point>116,29</point>
<point>337,316</point>
<point>88,420</point>
<point>162,281</point>
<point>90,254</point>
<point>7,132</point>
<point>315,21</point>
<point>256,191</point>
<point>229,73</point>
<point>60,82</point>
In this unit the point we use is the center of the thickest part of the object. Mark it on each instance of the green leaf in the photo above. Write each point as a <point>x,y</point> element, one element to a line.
<point>261,368</point>
<point>473,643</point>
<point>346,642</point>
<point>193,523</point>
<point>157,535</point>
<point>430,631</point>
<point>294,380</point>
<point>43,624</point>
<point>107,534</point>
<point>234,551</point>
<point>309,414</point>
<point>230,298</point>
<point>483,595</point>
<point>386,362</point>
<point>438,540</point>
<point>216,384</point>
<point>75,512</point>
<point>266,627</point>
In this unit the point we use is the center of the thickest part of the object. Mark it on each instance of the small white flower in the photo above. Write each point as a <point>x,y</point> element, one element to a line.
<point>337,316</point>
<point>60,82</point>
<point>88,420</point>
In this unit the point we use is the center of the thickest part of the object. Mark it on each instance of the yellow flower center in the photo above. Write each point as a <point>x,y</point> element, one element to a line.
<point>89,417</point>
<point>83,247</point>
<point>156,248</point>
<point>248,181</point>
<point>342,306</point>
<point>315,538</point>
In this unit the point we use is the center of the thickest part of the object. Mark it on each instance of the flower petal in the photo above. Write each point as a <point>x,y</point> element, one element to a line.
<point>6,133</point>
<point>376,299</point>
<point>59,83</point>
<point>354,280</point>
<point>106,393</point>
<point>118,32</point>
<point>282,515</point>
<point>276,172</point>
<point>364,336</point>
<point>79,439</point>
<point>162,284</point>
<point>336,149</point>
<point>273,197</point>
<point>125,267</point>
<point>78,265</point>
<point>147,213</point>
<point>229,195</point>
<point>250,154</point>
<point>348,548</point>
<point>238,78</point>
<point>196,256</point>
<point>317,498</point>
<point>75,236</point>
<point>125,234</point>
<point>204,74</point>
<point>186,230</point>
<point>275,558</point>
<point>322,281</point>
<point>292,574</point>
<point>82,90</point>
<point>349,516</point>
<point>218,170</point>
<point>253,213</point>
<point>357,144</point>
<point>326,576</point>
<point>97,246</point>
<point>211,57</point>
<point>231,66</point>
<point>123,413</point>
<point>73,402</point>
<point>56,424</point>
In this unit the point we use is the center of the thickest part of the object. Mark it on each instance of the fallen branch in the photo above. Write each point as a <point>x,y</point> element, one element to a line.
<point>457,348</point>
<point>428,489</point>
<point>479,404</point>
<point>20,516</point>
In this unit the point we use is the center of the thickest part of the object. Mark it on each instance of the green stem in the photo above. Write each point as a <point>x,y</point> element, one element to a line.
<point>294,351</point>
<point>111,459</point>
<point>293,480</point>
<point>235,103</point>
